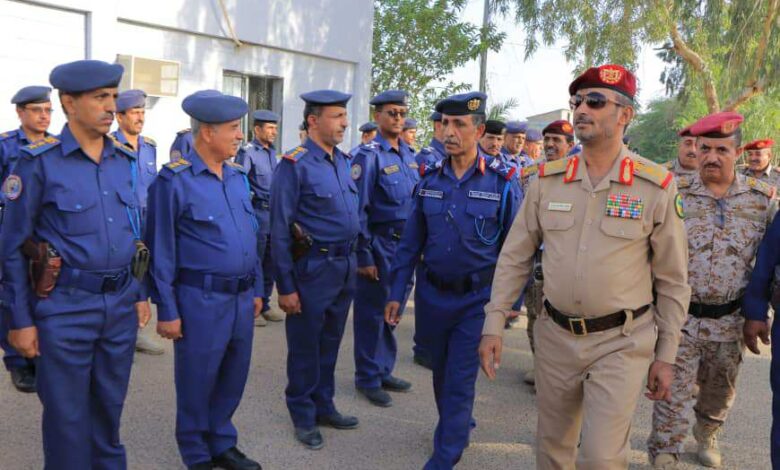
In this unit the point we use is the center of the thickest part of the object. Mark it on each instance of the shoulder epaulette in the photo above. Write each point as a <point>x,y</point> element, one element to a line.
<point>426,169</point>
<point>529,171</point>
<point>371,147</point>
<point>183,131</point>
<point>426,150</point>
<point>652,172</point>
<point>760,186</point>
<point>295,154</point>
<point>9,134</point>
<point>506,171</point>
<point>37,148</point>
<point>683,182</point>
<point>555,167</point>
<point>126,149</point>
<point>668,165</point>
<point>150,141</point>
<point>236,166</point>
<point>178,166</point>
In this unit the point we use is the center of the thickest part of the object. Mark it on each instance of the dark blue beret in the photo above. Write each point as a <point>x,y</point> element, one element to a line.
<point>85,75</point>
<point>326,98</point>
<point>532,135</point>
<point>264,115</point>
<point>213,107</point>
<point>32,94</point>
<point>368,127</point>
<point>410,123</point>
<point>462,104</point>
<point>390,97</point>
<point>130,99</point>
<point>494,126</point>
<point>435,116</point>
<point>516,127</point>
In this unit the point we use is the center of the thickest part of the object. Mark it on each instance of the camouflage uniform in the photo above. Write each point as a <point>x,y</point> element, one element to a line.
<point>770,175</point>
<point>723,236</point>
<point>534,300</point>
<point>675,167</point>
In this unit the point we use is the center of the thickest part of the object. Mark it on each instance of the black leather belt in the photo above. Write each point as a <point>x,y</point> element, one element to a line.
<point>714,311</point>
<point>261,205</point>
<point>461,285</point>
<point>338,249</point>
<point>582,326</point>
<point>216,283</point>
<point>97,282</point>
<point>393,230</point>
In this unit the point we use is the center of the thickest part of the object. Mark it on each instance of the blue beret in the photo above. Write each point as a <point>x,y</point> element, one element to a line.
<point>264,115</point>
<point>130,99</point>
<point>494,126</point>
<point>516,127</point>
<point>32,94</point>
<point>390,97</point>
<point>211,106</point>
<point>532,135</point>
<point>462,104</point>
<point>368,127</point>
<point>410,123</point>
<point>435,116</point>
<point>326,98</point>
<point>85,75</point>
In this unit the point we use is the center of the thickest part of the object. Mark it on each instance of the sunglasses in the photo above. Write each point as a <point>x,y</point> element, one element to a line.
<point>594,100</point>
<point>396,114</point>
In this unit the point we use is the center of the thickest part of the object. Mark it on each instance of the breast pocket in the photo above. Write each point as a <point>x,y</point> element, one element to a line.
<point>394,186</point>
<point>485,218</point>
<point>206,219</point>
<point>78,213</point>
<point>619,227</point>
<point>262,176</point>
<point>323,198</point>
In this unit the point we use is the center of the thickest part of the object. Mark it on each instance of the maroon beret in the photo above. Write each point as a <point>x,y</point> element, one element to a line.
<point>614,77</point>
<point>561,127</point>
<point>760,144</point>
<point>685,132</point>
<point>722,124</point>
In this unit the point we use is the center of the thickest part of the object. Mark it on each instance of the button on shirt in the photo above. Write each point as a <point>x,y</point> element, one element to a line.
<point>446,221</point>
<point>315,190</point>
<point>80,207</point>
<point>199,222</point>
<point>385,178</point>
<point>147,165</point>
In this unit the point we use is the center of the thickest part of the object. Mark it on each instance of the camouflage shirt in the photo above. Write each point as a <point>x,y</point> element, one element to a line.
<point>675,167</point>
<point>770,175</point>
<point>723,236</point>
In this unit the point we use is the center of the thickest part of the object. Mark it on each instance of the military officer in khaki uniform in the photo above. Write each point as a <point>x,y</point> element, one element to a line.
<point>758,155</point>
<point>612,237</point>
<point>726,216</point>
<point>687,161</point>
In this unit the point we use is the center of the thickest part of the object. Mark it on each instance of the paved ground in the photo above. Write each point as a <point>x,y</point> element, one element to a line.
<point>394,438</point>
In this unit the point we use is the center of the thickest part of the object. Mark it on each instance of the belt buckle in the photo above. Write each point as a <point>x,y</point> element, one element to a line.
<point>581,323</point>
<point>110,283</point>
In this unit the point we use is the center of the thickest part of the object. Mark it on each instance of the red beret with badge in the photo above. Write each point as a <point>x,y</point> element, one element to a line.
<point>560,127</point>
<point>717,125</point>
<point>612,76</point>
<point>760,144</point>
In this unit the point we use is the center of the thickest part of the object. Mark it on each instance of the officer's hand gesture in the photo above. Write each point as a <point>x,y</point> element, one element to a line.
<point>290,303</point>
<point>258,306</point>
<point>752,330</point>
<point>392,317</point>
<point>369,272</point>
<point>170,329</point>
<point>25,340</point>
<point>659,381</point>
<point>144,311</point>
<point>490,354</point>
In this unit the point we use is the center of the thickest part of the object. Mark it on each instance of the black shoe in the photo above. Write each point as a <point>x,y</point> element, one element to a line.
<point>394,384</point>
<point>311,438</point>
<point>23,379</point>
<point>377,396</point>
<point>338,421</point>
<point>201,466</point>
<point>424,361</point>
<point>234,459</point>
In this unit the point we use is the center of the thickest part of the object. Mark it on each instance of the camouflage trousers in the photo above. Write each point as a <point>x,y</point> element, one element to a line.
<point>533,305</point>
<point>711,365</point>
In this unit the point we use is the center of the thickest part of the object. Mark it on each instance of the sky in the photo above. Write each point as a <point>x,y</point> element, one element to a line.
<point>541,83</point>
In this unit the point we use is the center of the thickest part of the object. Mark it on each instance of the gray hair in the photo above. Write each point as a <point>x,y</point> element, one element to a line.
<point>196,125</point>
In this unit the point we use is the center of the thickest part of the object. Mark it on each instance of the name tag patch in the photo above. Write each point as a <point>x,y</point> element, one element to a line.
<point>484,195</point>
<point>625,206</point>
<point>559,206</point>
<point>431,193</point>
<point>389,170</point>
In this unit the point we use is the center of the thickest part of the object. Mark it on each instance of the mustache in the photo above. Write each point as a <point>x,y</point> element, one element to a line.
<point>108,115</point>
<point>450,141</point>
<point>712,165</point>
<point>583,120</point>
<point>690,155</point>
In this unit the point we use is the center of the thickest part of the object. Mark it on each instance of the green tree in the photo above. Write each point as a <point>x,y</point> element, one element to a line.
<point>501,111</point>
<point>417,44</point>
<point>721,48</point>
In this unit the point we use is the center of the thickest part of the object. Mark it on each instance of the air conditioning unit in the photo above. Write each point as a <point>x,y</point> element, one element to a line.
<point>154,76</point>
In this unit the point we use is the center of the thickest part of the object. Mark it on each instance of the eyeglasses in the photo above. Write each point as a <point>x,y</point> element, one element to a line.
<point>396,114</point>
<point>37,110</point>
<point>594,100</point>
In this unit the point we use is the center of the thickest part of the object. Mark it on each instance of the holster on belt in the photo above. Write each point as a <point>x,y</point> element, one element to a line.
<point>45,266</point>
<point>538,273</point>
<point>301,241</point>
<point>141,259</point>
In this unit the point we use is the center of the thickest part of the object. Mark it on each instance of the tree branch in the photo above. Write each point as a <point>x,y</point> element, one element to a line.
<point>753,89</point>
<point>771,12</point>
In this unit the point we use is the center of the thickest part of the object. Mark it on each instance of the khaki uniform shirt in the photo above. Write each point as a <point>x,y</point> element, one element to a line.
<point>723,237</point>
<point>606,248</point>
<point>770,175</point>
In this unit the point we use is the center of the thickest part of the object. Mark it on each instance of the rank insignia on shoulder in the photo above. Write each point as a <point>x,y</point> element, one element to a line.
<point>528,171</point>
<point>653,172</point>
<point>431,193</point>
<point>12,187</point>
<point>760,186</point>
<point>42,145</point>
<point>624,206</point>
<point>178,166</point>
<point>237,166</point>
<point>356,171</point>
<point>683,182</point>
<point>679,207</point>
<point>295,154</point>
<point>389,170</point>
<point>184,131</point>
<point>414,165</point>
<point>555,167</point>
<point>150,141</point>
<point>6,135</point>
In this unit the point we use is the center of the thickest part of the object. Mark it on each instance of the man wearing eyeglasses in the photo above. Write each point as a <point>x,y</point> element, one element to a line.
<point>726,216</point>
<point>613,237</point>
<point>33,107</point>
<point>385,173</point>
